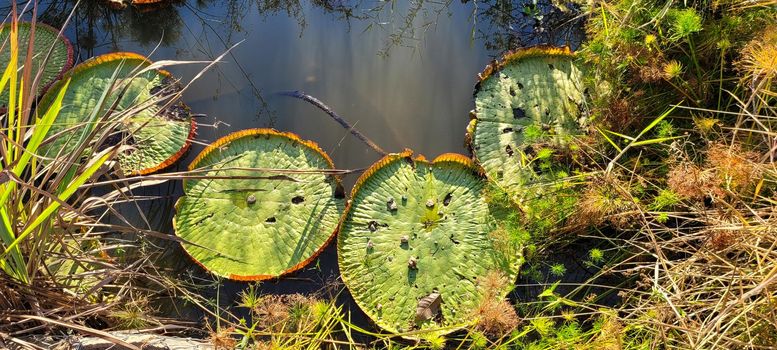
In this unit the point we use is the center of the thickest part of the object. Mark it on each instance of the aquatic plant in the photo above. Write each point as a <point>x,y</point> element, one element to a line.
<point>683,222</point>
<point>156,131</point>
<point>415,240</point>
<point>530,102</point>
<point>50,65</point>
<point>263,204</point>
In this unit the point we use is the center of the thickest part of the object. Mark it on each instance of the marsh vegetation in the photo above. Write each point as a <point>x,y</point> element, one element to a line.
<point>615,187</point>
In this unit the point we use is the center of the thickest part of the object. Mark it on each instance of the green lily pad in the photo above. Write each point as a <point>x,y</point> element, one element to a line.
<point>46,37</point>
<point>416,238</point>
<point>275,213</point>
<point>157,136</point>
<point>532,96</point>
<point>158,140</point>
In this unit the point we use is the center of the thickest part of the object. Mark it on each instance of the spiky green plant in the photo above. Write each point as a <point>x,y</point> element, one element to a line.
<point>28,211</point>
<point>55,244</point>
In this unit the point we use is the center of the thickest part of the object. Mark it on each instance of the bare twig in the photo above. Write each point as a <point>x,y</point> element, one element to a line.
<point>316,102</point>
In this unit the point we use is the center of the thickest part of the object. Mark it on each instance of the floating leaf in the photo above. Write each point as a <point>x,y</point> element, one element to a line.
<point>46,37</point>
<point>274,212</point>
<point>158,141</point>
<point>532,95</point>
<point>419,233</point>
<point>158,136</point>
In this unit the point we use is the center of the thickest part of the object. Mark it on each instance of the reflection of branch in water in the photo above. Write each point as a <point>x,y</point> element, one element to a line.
<point>501,24</point>
<point>96,24</point>
<point>388,13</point>
<point>344,10</point>
<point>236,12</point>
<point>163,23</point>
<point>508,25</point>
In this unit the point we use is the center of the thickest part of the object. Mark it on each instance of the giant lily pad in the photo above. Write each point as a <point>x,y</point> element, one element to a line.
<point>46,38</point>
<point>265,207</point>
<point>157,136</point>
<point>532,96</point>
<point>416,238</point>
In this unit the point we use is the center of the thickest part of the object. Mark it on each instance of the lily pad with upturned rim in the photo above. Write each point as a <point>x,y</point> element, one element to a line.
<point>419,232</point>
<point>274,213</point>
<point>46,37</point>
<point>158,136</point>
<point>539,89</point>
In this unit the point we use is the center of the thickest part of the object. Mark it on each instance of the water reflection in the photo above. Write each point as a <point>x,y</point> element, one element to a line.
<point>402,71</point>
<point>509,25</point>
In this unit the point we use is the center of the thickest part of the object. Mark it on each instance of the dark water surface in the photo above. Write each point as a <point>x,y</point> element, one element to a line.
<point>402,72</point>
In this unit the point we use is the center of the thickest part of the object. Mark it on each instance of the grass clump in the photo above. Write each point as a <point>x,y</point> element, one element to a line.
<point>60,266</point>
<point>684,216</point>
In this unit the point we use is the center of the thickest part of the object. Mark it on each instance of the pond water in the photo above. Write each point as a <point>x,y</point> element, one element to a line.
<point>403,75</point>
<point>401,72</point>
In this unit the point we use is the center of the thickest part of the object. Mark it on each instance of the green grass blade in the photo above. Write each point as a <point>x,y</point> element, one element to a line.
<point>63,196</point>
<point>652,141</point>
<point>627,137</point>
<point>6,77</point>
<point>40,130</point>
<point>609,140</point>
<point>12,90</point>
<point>15,267</point>
<point>655,122</point>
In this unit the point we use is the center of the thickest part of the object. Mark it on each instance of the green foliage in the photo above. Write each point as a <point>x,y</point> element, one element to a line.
<point>665,199</point>
<point>596,255</point>
<point>132,316</point>
<point>543,325</point>
<point>685,22</point>
<point>39,211</point>
<point>665,129</point>
<point>250,298</point>
<point>479,340</point>
<point>705,62</point>
<point>641,46</point>
<point>435,341</point>
<point>534,134</point>
<point>569,333</point>
<point>510,219</point>
<point>558,270</point>
<point>532,271</point>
